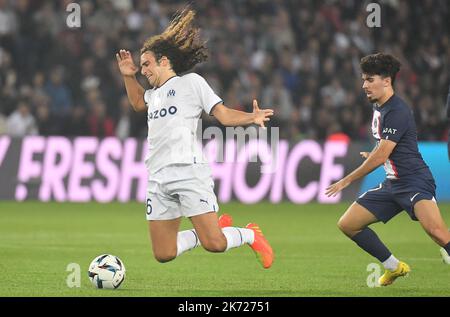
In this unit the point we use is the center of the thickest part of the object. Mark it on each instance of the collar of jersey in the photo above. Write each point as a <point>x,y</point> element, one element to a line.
<point>174,76</point>
<point>386,103</point>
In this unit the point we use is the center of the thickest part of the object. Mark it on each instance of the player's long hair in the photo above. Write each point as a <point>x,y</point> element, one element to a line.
<point>180,43</point>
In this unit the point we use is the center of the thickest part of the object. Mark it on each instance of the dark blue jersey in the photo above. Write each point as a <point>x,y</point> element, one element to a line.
<point>394,121</point>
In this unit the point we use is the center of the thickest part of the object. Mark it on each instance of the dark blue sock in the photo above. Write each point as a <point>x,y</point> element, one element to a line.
<point>447,248</point>
<point>369,242</point>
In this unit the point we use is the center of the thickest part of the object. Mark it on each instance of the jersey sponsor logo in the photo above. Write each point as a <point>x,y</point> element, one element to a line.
<point>161,113</point>
<point>171,93</point>
<point>389,130</point>
<point>204,201</point>
<point>172,109</point>
<point>412,198</point>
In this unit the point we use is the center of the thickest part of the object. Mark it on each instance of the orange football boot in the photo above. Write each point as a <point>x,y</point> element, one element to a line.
<point>225,220</point>
<point>261,246</point>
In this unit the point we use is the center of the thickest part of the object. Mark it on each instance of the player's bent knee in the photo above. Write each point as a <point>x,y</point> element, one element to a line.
<point>342,225</point>
<point>346,227</point>
<point>164,257</point>
<point>215,245</point>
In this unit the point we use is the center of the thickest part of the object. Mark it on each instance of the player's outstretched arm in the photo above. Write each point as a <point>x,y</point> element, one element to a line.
<point>374,159</point>
<point>128,70</point>
<point>231,117</point>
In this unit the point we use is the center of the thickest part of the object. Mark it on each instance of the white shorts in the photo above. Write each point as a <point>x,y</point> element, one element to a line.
<point>180,190</point>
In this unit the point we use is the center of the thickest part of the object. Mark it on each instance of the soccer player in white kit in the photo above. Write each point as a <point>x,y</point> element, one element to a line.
<point>180,182</point>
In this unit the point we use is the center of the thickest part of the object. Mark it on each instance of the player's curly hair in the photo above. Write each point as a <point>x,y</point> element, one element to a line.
<point>381,64</point>
<point>180,43</point>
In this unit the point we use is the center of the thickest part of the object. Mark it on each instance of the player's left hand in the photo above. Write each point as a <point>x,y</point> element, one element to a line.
<point>335,188</point>
<point>261,116</point>
<point>364,154</point>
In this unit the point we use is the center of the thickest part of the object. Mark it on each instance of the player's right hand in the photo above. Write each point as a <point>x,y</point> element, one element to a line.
<point>126,64</point>
<point>364,154</point>
<point>261,116</point>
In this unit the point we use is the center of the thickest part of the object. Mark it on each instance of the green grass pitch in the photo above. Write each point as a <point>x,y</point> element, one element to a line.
<point>39,240</point>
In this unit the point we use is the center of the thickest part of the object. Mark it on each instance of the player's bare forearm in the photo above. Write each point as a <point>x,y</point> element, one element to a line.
<point>371,163</point>
<point>128,69</point>
<point>231,117</point>
<point>378,156</point>
<point>135,93</point>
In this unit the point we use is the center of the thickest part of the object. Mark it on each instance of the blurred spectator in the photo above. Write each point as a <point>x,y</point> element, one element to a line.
<point>3,124</point>
<point>21,122</point>
<point>76,123</point>
<point>8,22</point>
<point>100,124</point>
<point>47,124</point>
<point>38,84</point>
<point>334,91</point>
<point>59,93</point>
<point>124,122</point>
<point>335,134</point>
<point>277,97</point>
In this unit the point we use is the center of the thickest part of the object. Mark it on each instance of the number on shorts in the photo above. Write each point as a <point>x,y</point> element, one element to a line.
<point>149,206</point>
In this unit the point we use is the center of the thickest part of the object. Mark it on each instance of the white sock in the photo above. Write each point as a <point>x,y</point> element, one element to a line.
<point>391,263</point>
<point>187,240</point>
<point>238,236</point>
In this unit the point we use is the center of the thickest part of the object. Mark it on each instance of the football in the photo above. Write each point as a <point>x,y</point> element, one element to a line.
<point>107,271</point>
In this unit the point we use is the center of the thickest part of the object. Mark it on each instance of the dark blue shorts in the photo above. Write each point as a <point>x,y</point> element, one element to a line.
<point>392,196</point>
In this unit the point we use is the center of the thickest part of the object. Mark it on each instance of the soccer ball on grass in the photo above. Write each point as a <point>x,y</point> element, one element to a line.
<point>106,271</point>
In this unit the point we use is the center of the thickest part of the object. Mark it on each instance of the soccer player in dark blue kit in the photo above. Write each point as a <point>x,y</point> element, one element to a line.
<point>409,184</point>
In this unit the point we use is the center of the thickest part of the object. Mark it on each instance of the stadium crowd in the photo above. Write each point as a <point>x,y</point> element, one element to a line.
<point>300,57</point>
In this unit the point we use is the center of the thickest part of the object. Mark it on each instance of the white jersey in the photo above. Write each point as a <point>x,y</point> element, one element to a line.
<point>174,110</point>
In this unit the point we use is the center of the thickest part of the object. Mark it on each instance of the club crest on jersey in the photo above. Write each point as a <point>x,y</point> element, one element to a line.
<point>389,130</point>
<point>171,93</point>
